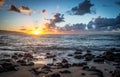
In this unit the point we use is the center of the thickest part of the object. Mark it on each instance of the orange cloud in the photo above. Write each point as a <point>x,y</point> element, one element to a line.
<point>2,2</point>
<point>25,10</point>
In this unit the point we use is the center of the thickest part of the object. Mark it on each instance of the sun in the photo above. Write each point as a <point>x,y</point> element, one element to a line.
<point>36,32</point>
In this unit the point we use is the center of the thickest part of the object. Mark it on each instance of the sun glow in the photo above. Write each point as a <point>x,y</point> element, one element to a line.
<point>36,32</point>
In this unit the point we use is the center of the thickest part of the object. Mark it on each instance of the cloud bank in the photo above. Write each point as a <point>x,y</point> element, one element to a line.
<point>97,24</point>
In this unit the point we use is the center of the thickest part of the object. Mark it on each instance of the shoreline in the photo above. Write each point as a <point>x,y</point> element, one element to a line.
<point>59,63</point>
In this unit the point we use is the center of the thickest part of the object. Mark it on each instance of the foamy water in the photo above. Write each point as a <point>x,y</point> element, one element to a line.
<point>60,45</point>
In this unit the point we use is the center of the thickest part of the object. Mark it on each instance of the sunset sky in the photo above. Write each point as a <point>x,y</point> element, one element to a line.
<point>60,15</point>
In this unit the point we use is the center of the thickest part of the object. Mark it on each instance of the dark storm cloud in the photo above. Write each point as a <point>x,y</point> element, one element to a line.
<point>82,8</point>
<point>102,23</point>
<point>97,24</point>
<point>58,18</point>
<point>13,8</point>
<point>118,3</point>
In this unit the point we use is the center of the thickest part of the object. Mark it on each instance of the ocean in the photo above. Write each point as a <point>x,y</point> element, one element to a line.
<point>59,44</point>
<point>18,42</point>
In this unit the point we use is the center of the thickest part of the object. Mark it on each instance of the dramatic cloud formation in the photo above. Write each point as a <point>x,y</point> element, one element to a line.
<point>97,24</point>
<point>13,8</point>
<point>57,19</point>
<point>44,11</point>
<point>100,24</point>
<point>82,8</point>
<point>25,10</point>
<point>1,2</point>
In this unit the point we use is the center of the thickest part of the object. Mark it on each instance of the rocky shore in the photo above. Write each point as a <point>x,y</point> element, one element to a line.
<point>106,64</point>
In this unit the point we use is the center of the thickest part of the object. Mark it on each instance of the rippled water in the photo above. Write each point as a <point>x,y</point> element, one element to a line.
<point>17,42</point>
<point>60,45</point>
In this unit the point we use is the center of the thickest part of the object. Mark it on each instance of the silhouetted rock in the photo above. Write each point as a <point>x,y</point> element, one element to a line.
<point>9,66</point>
<point>112,55</point>
<point>63,65</point>
<point>79,64</point>
<point>49,55</point>
<point>64,61</point>
<point>55,75</point>
<point>65,71</point>
<point>98,72</point>
<point>99,59</point>
<point>78,57</point>
<point>1,69</point>
<point>70,54</point>
<point>78,52</point>
<point>116,73</point>
<point>28,55</point>
<point>85,68</point>
<point>83,74</point>
<point>88,56</point>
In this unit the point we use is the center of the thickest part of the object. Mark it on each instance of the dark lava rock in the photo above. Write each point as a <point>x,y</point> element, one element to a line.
<point>65,71</point>
<point>51,64</point>
<point>78,52</point>
<point>79,64</point>
<point>116,73</point>
<point>83,74</point>
<point>98,72</point>
<point>35,71</point>
<point>28,55</point>
<point>88,56</point>
<point>99,60</point>
<point>21,61</point>
<point>85,68</point>
<point>63,65</point>
<point>14,57</point>
<point>46,67</point>
<point>70,54</point>
<point>30,64</point>
<point>50,56</point>
<point>66,65</point>
<point>24,63</point>
<point>78,57</point>
<point>9,66</point>
<point>112,55</point>
<point>64,61</point>
<point>88,51</point>
<point>55,75</point>
<point>2,69</point>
